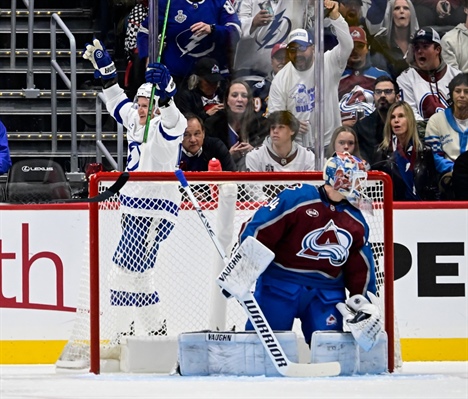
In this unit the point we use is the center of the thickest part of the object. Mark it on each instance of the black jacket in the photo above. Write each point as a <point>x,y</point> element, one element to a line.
<point>212,148</point>
<point>424,174</point>
<point>190,101</point>
<point>369,131</point>
<point>217,126</point>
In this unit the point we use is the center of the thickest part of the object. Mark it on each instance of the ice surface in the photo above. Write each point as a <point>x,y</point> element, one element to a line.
<point>416,380</point>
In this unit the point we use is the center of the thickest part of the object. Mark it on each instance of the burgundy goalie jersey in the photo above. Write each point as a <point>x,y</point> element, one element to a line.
<point>316,242</point>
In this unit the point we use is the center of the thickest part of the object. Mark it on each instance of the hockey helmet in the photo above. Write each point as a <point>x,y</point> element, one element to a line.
<point>145,91</point>
<point>347,174</point>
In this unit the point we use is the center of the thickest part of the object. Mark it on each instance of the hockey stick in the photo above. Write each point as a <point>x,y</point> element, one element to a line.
<point>267,337</point>
<point>112,190</point>
<point>158,59</point>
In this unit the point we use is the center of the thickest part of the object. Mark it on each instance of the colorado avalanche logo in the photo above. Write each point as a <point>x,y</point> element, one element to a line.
<point>358,98</point>
<point>329,242</point>
<point>431,103</point>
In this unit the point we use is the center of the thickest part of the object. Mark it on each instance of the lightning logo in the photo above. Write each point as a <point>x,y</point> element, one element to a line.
<point>276,32</point>
<point>192,43</point>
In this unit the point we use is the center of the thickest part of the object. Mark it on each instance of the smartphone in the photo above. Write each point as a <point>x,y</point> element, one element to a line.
<point>266,5</point>
<point>445,7</point>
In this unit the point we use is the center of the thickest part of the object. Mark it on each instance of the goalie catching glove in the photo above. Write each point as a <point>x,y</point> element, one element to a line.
<point>363,319</point>
<point>101,60</point>
<point>159,75</point>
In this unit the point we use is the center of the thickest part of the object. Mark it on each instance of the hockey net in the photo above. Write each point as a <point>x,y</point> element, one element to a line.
<point>179,294</point>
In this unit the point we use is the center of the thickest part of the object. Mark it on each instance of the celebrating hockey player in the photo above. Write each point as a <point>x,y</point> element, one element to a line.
<point>320,241</point>
<point>148,214</point>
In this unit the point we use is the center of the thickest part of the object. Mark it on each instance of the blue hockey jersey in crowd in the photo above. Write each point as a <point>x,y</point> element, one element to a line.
<point>317,243</point>
<point>182,48</point>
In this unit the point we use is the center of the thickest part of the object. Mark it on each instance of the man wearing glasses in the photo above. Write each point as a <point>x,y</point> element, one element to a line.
<point>293,88</point>
<point>369,130</point>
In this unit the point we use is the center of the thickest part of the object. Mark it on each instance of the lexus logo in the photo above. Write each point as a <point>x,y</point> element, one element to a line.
<point>27,168</point>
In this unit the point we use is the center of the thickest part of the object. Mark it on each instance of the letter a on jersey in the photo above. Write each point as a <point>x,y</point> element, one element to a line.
<point>329,242</point>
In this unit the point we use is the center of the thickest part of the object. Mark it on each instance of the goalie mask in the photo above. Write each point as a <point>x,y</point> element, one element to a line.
<point>347,174</point>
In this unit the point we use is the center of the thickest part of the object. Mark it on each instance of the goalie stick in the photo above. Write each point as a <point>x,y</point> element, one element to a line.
<point>112,190</point>
<point>283,365</point>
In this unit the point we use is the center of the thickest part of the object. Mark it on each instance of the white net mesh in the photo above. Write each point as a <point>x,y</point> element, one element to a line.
<point>155,283</point>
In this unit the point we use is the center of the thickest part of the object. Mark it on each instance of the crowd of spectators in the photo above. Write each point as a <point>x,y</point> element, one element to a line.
<point>245,71</point>
<point>395,85</point>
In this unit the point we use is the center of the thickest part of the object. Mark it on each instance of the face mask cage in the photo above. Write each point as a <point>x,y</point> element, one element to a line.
<point>347,175</point>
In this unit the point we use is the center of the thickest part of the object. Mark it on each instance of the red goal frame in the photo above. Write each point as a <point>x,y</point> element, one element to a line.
<point>218,177</point>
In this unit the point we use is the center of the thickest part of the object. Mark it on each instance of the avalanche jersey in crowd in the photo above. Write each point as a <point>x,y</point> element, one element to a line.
<point>264,159</point>
<point>159,154</point>
<point>426,93</point>
<point>316,243</point>
<point>182,48</point>
<point>356,91</point>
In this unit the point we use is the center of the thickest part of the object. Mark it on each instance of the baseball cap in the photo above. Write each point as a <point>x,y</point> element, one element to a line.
<point>208,68</point>
<point>358,34</point>
<point>349,1</point>
<point>277,47</point>
<point>427,34</point>
<point>301,36</point>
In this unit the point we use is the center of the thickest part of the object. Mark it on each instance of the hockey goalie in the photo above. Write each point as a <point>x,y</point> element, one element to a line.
<point>319,238</point>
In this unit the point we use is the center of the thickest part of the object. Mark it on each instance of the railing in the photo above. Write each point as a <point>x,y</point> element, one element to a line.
<point>30,91</point>
<point>100,147</point>
<point>70,83</point>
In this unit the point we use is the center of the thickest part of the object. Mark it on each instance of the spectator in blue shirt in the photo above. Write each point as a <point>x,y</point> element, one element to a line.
<point>5,160</point>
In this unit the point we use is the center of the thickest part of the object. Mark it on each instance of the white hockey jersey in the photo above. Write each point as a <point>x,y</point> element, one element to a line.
<point>426,93</point>
<point>294,90</point>
<point>159,154</point>
<point>264,159</point>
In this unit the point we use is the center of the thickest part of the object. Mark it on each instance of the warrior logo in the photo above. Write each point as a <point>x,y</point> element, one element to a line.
<point>329,242</point>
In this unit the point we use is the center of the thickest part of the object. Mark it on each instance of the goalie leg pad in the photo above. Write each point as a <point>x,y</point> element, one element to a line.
<point>336,346</point>
<point>230,353</point>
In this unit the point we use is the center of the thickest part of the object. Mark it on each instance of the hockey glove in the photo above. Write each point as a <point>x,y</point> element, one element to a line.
<point>101,60</point>
<point>159,75</point>
<point>363,319</point>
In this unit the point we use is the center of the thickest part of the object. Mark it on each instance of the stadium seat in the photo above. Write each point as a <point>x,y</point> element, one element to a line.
<point>36,180</point>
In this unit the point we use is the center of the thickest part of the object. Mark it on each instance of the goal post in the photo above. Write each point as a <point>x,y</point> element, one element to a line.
<point>183,278</point>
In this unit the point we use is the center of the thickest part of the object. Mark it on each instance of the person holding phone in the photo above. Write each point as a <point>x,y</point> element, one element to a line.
<point>237,125</point>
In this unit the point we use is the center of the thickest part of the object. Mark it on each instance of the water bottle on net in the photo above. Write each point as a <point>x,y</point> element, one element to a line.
<point>214,166</point>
